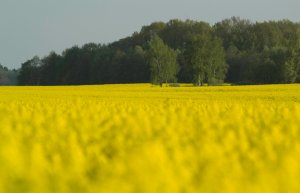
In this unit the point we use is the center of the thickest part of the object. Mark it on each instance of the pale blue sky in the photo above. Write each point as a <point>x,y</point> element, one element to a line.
<point>36,27</point>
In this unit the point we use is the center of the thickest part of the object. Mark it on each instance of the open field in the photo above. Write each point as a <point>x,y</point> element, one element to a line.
<point>140,138</point>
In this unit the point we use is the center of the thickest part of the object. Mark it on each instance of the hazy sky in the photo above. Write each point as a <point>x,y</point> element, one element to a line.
<point>36,27</point>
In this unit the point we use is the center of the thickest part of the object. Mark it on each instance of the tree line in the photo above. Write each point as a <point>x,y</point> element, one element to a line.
<point>234,50</point>
<point>7,76</point>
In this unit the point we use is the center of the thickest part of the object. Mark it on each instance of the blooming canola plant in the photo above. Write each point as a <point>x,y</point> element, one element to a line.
<point>142,138</point>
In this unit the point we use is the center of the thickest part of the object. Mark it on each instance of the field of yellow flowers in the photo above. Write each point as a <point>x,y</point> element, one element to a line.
<point>145,139</point>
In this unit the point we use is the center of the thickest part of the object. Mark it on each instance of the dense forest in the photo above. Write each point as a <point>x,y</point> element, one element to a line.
<point>234,50</point>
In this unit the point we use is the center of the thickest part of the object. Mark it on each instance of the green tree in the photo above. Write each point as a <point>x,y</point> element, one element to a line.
<point>30,72</point>
<point>276,66</point>
<point>217,67</point>
<point>235,31</point>
<point>206,58</point>
<point>297,55</point>
<point>290,71</point>
<point>7,76</point>
<point>74,70</point>
<point>50,71</point>
<point>195,55</point>
<point>163,61</point>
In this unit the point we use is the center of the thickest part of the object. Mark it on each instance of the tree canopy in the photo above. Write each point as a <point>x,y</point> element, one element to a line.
<point>206,58</point>
<point>162,60</point>
<point>234,50</point>
<point>8,77</point>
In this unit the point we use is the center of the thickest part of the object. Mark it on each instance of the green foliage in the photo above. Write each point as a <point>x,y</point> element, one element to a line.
<point>297,54</point>
<point>206,58</point>
<point>8,77</point>
<point>51,69</point>
<point>256,53</point>
<point>235,31</point>
<point>30,72</point>
<point>259,52</point>
<point>163,61</point>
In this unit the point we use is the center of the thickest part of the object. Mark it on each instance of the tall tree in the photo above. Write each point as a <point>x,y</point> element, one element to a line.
<point>74,70</point>
<point>163,61</point>
<point>30,72</point>
<point>297,55</point>
<point>206,58</point>
<point>51,69</point>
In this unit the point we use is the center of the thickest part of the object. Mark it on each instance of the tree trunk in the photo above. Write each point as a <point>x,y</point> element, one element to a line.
<point>199,83</point>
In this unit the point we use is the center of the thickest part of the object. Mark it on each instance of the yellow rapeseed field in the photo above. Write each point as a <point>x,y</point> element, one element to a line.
<point>146,139</point>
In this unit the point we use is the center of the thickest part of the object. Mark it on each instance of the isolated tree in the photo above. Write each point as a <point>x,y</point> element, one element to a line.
<point>163,61</point>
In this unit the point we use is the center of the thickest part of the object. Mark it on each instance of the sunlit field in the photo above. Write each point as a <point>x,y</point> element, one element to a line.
<point>143,138</point>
